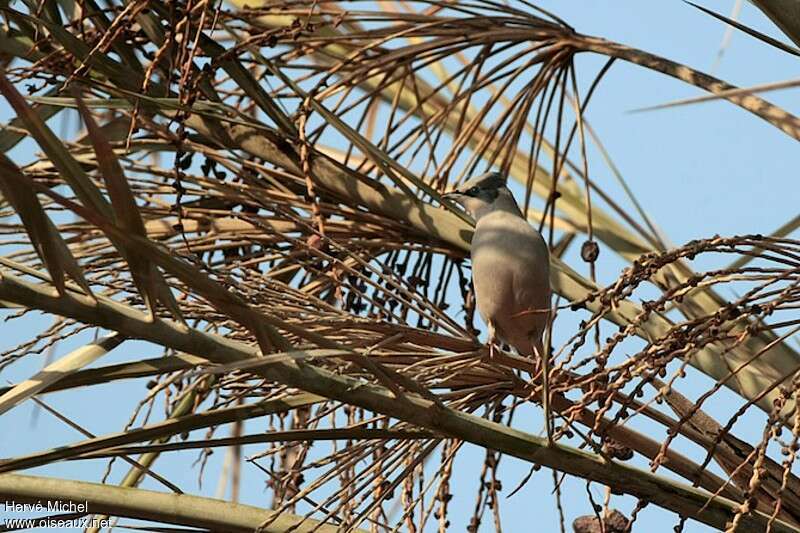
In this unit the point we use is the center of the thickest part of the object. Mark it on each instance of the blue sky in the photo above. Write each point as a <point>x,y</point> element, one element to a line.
<point>697,170</point>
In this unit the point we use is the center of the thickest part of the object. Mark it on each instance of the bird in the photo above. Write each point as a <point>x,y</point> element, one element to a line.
<point>510,264</point>
<point>510,269</point>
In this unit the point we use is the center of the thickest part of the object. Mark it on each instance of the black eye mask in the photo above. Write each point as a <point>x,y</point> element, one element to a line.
<point>488,188</point>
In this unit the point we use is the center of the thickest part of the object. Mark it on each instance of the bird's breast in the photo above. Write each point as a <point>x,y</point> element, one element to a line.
<point>510,264</point>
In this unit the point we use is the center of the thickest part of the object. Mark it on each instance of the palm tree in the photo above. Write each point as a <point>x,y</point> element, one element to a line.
<point>255,190</point>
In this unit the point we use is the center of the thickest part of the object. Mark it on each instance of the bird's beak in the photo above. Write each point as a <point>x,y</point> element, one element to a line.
<point>453,196</point>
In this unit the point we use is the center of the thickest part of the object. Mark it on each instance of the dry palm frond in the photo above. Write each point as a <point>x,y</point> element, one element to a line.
<point>254,194</point>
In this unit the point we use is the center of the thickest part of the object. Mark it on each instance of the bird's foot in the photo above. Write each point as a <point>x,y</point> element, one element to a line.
<point>492,354</point>
<point>492,342</point>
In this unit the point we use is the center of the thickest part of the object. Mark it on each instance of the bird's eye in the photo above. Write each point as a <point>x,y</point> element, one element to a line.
<point>473,191</point>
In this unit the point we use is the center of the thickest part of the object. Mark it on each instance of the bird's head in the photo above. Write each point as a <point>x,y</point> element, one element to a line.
<point>482,194</point>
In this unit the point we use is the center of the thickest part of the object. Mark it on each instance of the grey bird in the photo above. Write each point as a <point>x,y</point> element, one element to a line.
<point>510,272</point>
<point>510,265</point>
